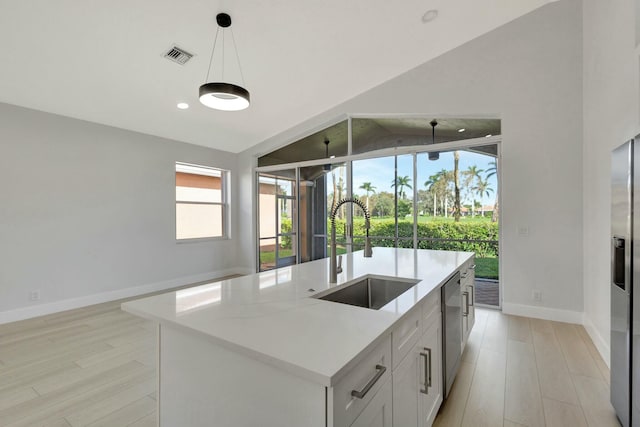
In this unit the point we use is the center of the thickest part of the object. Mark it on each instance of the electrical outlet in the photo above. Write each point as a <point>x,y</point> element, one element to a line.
<point>537,295</point>
<point>523,230</point>
<point>34,295</point>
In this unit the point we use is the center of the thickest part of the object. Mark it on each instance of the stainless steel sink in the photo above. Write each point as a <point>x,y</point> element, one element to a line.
<point>368,292</point>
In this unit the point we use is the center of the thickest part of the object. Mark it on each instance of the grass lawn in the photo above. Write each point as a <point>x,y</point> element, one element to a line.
<point>270,257</point>
<point>487,268</point>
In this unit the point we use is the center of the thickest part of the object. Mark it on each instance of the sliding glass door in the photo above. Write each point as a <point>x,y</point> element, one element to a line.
<point>386,185</point>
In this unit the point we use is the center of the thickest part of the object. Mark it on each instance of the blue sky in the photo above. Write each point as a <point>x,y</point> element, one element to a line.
<point>380,171</point>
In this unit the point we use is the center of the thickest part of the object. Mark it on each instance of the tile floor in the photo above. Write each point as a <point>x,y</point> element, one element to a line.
<point>518,371</point>
<point>96,366</point>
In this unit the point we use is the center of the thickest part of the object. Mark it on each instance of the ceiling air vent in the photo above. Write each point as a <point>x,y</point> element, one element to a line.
<point>178,55</point>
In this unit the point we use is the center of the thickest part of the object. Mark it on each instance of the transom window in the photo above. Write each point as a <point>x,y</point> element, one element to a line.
<point>201,202</point>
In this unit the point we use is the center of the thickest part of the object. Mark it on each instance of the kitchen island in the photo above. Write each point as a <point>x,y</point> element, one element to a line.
<point>260,350</point>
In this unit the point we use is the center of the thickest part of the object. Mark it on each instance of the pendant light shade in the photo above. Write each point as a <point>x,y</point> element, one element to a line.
<point>223,95</point>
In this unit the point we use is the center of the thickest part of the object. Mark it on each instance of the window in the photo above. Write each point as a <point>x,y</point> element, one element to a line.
<point>201,202</point>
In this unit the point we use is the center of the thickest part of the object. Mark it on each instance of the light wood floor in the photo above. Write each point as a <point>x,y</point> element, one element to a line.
<point>518,371</point>
<point>95,366</point>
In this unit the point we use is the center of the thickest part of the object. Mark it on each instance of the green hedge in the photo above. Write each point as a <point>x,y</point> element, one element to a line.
<point>432,230</point>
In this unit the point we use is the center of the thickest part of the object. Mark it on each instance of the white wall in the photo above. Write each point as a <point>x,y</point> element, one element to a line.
<point>87,213</point>
<point>610,90</point>
<point>528,73</point>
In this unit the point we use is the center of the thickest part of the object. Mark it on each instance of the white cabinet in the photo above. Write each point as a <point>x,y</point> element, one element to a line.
<point>417,380</point>
<point>396,380</point>
<point>467,289</point>
<point>378,411</point>
<point>431,389</point>
<point>406,385</point>
<point>360,386</point>
<point>405,335</point>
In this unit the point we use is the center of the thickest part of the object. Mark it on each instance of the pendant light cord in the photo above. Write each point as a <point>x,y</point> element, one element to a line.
<point>213,49</point>
<point>433,124</point>
<point>235,48</point>
<point>223,54</point>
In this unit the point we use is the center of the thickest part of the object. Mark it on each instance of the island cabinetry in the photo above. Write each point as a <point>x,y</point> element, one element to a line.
<point>431,352</point>
<point>378,412</point>
<point>417,380</point>
<point>247,352</point>
<point>406,335</point>
<point>351,397</point>
<point>204,384</point>
<point>467,288</point>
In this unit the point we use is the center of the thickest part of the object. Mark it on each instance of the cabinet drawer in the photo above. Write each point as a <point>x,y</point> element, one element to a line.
<point>430,305</point>
<point>434,318</point>
<point>467,271</point>
<point>366,377</point>
<point>378,412</point>
<point>405,335</point>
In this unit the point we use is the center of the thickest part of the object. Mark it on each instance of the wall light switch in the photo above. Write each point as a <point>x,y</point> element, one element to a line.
<point>523,230</point>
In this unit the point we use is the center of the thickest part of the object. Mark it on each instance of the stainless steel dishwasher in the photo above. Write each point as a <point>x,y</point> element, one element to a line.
<point>451,330</point>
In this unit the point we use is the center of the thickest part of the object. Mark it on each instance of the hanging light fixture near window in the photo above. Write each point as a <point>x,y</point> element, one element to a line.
<point>222,95</point>
<point>433,155</point>
<point>327,167</point>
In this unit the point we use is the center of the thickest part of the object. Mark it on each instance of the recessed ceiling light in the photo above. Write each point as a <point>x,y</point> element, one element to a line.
<point>429,15</point>
<point>461,130</point>
<point>183,105</point>
<point>487,136</point>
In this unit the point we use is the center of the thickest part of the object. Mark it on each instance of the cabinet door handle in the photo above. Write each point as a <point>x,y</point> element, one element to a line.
<point>473,267</point>
<point>466,303</point>
<point>471,296</point>
<point>362,393</point>
<point>427,370</point>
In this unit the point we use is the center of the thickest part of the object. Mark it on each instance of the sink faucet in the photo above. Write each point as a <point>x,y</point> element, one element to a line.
<point>333,271</point>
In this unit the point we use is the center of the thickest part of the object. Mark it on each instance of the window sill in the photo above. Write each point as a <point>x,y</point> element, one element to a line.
<point>202,239</point>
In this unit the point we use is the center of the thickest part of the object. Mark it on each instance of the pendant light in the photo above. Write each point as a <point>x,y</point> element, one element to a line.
<point>433,155</point>
<point>326,167</point>
<point>222,95</point>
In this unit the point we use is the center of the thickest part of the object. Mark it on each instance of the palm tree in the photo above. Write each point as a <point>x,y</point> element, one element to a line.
<point>456,187</point>
<point>401,182</point>
<point>491,171</point>
<point>482,189</point>
<point>366,186</point>
<point>471,176</point>
<point>438,184</point>
<point>431,185</point>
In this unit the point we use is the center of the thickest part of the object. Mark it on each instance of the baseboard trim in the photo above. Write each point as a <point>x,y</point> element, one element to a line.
<point>545,313</point>
<point>23,313</point>
<point>601,344</point>
<point>245,271</point>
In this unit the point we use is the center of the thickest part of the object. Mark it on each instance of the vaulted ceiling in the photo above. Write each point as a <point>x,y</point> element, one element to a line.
<point>103,61</point>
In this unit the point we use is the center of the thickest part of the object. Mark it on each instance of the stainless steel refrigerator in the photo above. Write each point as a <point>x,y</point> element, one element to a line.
<point>625,265</point>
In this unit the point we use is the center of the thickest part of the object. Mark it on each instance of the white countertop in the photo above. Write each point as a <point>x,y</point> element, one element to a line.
<point>270,316</point>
